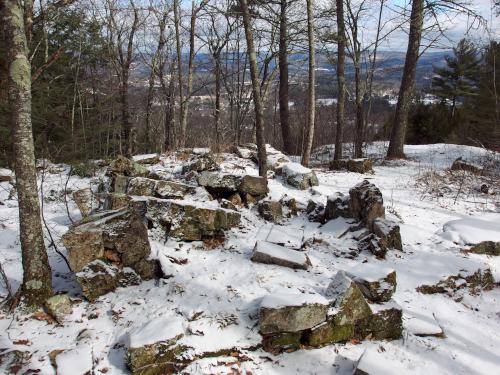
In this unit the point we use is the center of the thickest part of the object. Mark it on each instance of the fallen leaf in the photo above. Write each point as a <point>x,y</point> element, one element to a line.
<point>22,342</point>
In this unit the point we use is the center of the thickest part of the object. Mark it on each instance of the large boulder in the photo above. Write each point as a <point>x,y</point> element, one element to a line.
<point>153,348</point>
<point>386,323</point>
<point>348,308</point>
<point>352,165</point>
<point>99,277</point>
<point>146,159</point>
<point>189,221</point>
<point>299,176</point>
<point>200,163</point>
<point>269,253</point>
<point>173,189</point>
<point>348,300</point>
<point>271,211</point>
<point>366,203</point>
<point>124,166</point>
<point>148,187</point>
<point>115,201</point>
<point>119,235</point>
<point>377,283</point>
<point>389,232</point>
<point>337,205</point>
<point>86,201</point>
<point>120,183</point>
<point>58,306</point>
<point>291,312</point>
<point>219,184</point>
<point>141,186</point>
<point>254,186</point>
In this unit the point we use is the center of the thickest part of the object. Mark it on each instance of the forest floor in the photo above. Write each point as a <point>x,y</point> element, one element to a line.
<point>216,292</point>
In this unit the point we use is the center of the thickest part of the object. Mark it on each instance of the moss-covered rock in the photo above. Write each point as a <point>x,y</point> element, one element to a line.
<point>286,341</point>
<point>352,165</point>
<point>271,211</point>
<point>86,201</point>
<point>348,301</point>
<point>328,333</point>
<point>124,166</point>
<point>200,163</point>
<point>376,286</point>
<point>386,323</point>
<point>99,278</point>
<point>190,222</point>
<point>291,313</point>
<point>58,306</point>
<point>475,282</point>
<point>122,231</point>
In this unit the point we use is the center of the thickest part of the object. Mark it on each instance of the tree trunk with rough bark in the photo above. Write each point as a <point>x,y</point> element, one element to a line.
<point>306,152</point>
<point>398,131</point>
<point>177,24</point>
<point>340,79</point>
<point>189,89</point>
<point>259,121</point>
<point>37,279</point>
<point>286,132</point>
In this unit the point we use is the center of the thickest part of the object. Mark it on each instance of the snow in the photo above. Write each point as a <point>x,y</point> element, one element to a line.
<point>138,158</point>
<point>280,252</point>
<point>421,322</point>
<point>292,169</point>
<point>215,297</point>
<point>162,329</point>
<point>371,272</point>
<point>78,358</point>
<point>276,301</point>
<point>471,231</point>
<point>286,236</point>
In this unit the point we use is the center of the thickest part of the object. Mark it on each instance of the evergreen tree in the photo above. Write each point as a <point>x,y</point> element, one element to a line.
<point>456,80</point>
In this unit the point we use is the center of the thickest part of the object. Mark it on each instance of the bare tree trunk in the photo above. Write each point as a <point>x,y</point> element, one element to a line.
<point>152,75</point>
<point>177,23</point>
<point>185,104</point>
<point>396,144</point>
<point>373,62</point>
<point>37,280</point>
<point>125,62</point>
<point>306,152</point>
<point>259,122</point>
<point>286,132</point>
<point>359,136</point>
<point>340,79</point>
<point>217,74</point>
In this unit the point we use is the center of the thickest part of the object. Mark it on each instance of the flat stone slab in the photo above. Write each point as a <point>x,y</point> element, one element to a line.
<point>269,253</point>
<point>336,228</point>
<point>292,312</point>
<point>286,236</point>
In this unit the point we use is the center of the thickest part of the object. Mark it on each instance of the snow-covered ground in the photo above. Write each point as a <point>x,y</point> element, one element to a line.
<point>216,295</point>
